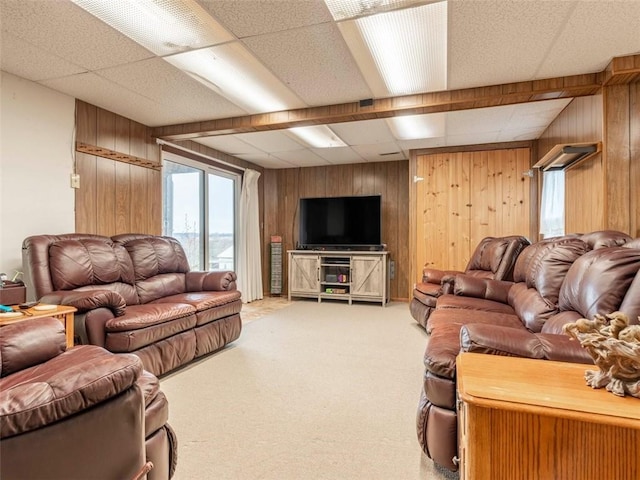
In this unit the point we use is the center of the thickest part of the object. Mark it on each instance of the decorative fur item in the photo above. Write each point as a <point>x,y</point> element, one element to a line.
<point>614,346</point>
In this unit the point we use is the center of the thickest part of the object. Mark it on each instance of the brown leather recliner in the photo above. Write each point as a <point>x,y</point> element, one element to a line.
<point>494,257</point>
<point>82,413</point>
<point>556,281</point>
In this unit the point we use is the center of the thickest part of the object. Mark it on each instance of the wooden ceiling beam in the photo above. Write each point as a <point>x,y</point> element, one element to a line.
<point>445,101</point>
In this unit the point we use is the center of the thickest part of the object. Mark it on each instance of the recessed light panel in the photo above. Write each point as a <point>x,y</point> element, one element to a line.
<point>162,26</point>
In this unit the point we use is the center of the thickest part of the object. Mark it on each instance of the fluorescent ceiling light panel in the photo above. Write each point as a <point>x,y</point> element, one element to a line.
<point>231,71</point>
<point>318,136</point>
<point>345,9</point>
<point>413,127</point>
<point>162,26</point>
<point>407,48</point>
<point>188,37</point>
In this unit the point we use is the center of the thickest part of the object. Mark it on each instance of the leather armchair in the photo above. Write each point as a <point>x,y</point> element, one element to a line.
<point>494,258</point>
<point>79,413</point>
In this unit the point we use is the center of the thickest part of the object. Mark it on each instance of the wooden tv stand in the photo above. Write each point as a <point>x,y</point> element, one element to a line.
<point>339,275</point>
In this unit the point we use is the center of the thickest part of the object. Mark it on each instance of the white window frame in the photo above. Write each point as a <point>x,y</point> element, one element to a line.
<point>209,169</point>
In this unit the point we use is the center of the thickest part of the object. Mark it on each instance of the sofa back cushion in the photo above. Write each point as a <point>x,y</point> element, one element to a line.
<point>159,265</point>
<point>604,239</point>
<point>79,262</point>
<point>494,257</point>
<point>539,273</point>
<point>598,282</point>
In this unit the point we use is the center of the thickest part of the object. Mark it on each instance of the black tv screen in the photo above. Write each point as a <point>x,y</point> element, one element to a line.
<point>347,222</point>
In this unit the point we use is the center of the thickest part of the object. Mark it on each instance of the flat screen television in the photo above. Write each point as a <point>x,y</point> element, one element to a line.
<point>340,222</point>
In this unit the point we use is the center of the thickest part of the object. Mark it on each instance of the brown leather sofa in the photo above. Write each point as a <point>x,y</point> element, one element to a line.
<point>494,257</point>
<point>556,281</point>
<point>82,413</point>
<point>136,294</point>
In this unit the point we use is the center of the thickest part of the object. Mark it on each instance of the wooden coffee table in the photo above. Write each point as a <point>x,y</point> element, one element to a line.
<point>64,313</point>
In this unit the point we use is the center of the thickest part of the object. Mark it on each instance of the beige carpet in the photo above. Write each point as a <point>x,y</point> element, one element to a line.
<point>310,391</point>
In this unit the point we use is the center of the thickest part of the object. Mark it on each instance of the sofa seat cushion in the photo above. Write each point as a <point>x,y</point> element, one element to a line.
<point>425,299</point>
<point>210,306</point>
<point>451,316</point>
<point>146,324</point>
<point>472,303</point>
<point>54,390</point>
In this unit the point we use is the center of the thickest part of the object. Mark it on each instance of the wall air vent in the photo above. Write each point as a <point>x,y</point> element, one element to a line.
<point>563,156</point>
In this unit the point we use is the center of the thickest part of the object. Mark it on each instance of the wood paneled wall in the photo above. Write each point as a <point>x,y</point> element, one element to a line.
<point>116,197</point>
<point>284,188</point>
<point>462,197</point>
<point>580,121</point>
<point>604,190</point>
<point>621,157</point>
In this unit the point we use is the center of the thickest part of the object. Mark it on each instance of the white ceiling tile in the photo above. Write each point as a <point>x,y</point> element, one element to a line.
<point>515,135</point>
<point>67,31</point>
<point>266,160</point>
<point>302,158</point>
<point>536,114</point>
<point>228,144</point>
<point>173,88</point>
<point>585,45</point>
<point>329,75</point>
<point>491,119</point>
<point>27,61</point>
<point>422,143</point>
<point>270,141</point>
<point>380,152</point>
<point>363,132</point>
<point>256,17</point>
<point>494,42</point>
<point>472,138</point>
<point>92,88</point>
<point>338,155</point>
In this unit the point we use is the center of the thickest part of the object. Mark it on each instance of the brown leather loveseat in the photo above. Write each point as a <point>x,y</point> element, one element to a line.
<point>136,294</point>
<point>556,281</point>
<point>78,414</point>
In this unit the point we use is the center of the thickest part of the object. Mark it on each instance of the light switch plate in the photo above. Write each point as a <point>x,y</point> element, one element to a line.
<point>75,180</point>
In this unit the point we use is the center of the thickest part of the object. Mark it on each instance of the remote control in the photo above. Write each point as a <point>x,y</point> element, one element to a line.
<point>24,306</point>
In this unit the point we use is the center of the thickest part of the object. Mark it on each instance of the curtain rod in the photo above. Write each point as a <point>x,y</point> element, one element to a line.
<point>161,142</point>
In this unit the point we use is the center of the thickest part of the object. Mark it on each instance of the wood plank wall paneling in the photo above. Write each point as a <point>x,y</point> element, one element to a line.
<point>116,197</point>
<point>634,173</point>
<point>580,121</point>
<point>284,188</point>
<point>464,197</point>
<point>617,157</point>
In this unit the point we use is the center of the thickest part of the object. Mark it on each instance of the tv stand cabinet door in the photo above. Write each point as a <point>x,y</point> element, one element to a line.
<point>368,276</point>
<point>303,274</point>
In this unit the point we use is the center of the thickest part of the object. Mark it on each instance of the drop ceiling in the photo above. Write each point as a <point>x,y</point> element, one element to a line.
<point>61,46</point>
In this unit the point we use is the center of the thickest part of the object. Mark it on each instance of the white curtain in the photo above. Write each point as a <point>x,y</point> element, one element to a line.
<point>552,204</point>
<point>249,259</point>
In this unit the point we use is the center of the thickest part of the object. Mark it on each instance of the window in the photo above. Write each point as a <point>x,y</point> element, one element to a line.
<point>199,207</point>
<point>552,204</point>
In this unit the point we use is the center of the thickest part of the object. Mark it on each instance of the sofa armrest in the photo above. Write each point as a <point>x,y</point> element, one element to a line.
<point>433,275</point>
<point>499,340</point>
<point>24,344</point>
<point>210,281</point>
<point>489,289</point>
<point>74,381</point>
<point>86,300</point>
<point>563,348</point>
